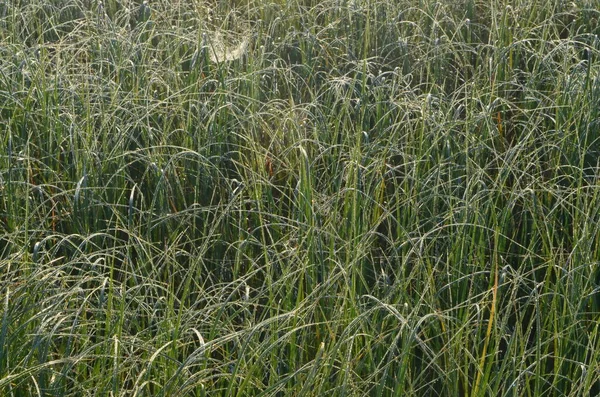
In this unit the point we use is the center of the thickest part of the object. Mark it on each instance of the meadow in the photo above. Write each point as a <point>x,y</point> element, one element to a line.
<point>299,198</point>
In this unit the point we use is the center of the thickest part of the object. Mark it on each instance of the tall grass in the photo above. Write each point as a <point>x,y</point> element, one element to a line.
<point>299,197</point>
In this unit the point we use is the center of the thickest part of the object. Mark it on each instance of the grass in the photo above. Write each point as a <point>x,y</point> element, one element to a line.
<point>299,198</point>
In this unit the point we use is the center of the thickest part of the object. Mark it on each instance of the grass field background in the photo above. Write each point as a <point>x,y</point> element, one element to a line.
<point>300,198</point>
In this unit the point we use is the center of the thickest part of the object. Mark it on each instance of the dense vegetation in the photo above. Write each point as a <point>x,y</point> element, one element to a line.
<point>299,197</point>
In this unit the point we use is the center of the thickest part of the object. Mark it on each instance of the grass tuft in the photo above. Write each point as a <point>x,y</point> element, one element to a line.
<point>299,197</point>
